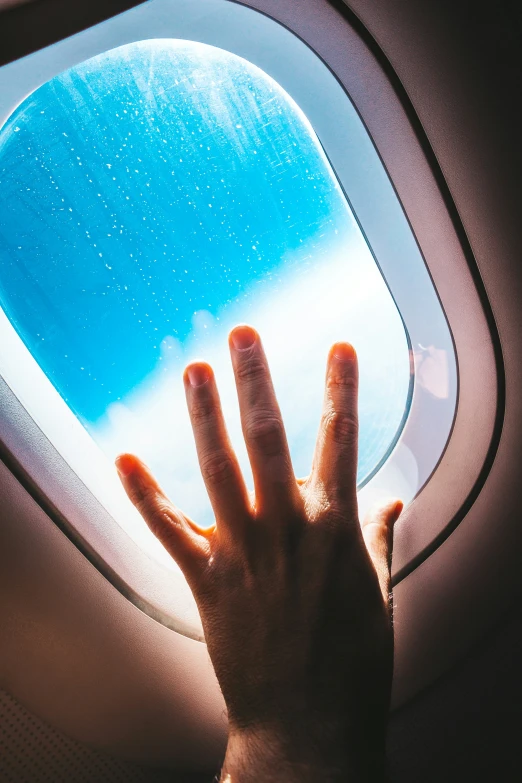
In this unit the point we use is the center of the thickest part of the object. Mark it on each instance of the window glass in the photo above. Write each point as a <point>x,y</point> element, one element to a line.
<point>153,197</point>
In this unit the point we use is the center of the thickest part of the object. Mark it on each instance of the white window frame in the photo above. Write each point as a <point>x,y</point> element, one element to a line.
<point>449,480</point>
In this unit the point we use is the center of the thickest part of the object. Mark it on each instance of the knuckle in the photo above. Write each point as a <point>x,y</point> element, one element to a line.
<point>162,520</point>
<point>147,504</point>
<point>217,468</point>
<point>203,410</point>
<point>343,428</point>
<point>251,369</point>
<point>138,497</point>
<point>161,517</point>
<point>159,523</point>
<point>344,379</point>
<point>265,433</point>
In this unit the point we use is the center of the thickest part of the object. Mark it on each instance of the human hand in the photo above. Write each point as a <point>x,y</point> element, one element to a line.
<point>293,592</point>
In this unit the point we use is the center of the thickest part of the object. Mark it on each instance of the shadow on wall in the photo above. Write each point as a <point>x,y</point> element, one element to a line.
<point>466,726</point>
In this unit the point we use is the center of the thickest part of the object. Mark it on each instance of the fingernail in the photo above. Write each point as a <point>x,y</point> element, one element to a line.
<point>124,464</point>
<point>398,509</point>
<point>198,374</point>
<point>243,337</point>
<point>344,351</point>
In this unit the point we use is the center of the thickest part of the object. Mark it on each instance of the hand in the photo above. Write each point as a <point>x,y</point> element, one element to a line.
<point>292,591</point>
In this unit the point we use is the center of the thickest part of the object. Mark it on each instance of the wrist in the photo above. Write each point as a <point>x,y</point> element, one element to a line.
<point>302,753</point>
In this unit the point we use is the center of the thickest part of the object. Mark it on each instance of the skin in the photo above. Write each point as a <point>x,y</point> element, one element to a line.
<point>293,591</point>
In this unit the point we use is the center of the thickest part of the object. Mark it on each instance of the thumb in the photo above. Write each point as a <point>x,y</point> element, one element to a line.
<point>377,530</point>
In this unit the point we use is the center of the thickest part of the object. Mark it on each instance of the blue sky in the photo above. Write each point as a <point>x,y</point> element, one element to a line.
<point>154,196</point>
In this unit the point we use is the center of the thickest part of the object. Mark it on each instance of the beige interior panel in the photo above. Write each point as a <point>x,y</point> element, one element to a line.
<point>33,752</point>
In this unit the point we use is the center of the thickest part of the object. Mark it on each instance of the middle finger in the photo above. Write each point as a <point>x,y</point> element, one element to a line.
<point>274,481</point>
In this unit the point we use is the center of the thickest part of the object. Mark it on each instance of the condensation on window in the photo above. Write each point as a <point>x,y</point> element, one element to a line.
<point>152,198</point>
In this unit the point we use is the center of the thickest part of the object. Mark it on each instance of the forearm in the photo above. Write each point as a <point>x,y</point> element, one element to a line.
<point>272,757</point>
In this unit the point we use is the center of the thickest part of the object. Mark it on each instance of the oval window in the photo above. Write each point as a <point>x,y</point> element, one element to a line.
<point>153,197</point>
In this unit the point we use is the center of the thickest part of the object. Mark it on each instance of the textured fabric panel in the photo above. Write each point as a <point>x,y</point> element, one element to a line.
<point>33,752</point>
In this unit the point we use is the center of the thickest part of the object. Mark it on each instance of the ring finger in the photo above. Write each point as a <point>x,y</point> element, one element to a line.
<point>263,430</point>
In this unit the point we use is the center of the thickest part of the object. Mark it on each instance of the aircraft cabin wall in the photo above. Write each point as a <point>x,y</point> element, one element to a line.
<point>92,677</point>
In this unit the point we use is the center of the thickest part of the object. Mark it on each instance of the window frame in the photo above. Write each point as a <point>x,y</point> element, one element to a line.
<point>31,457</point>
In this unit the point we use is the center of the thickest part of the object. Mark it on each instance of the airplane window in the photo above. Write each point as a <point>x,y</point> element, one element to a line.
<point>153,197</point>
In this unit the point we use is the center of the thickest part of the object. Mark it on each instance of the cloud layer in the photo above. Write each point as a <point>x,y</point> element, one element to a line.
<point>298,316</point>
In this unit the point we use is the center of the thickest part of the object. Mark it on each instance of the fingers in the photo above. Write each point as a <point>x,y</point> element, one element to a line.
<point>335,457</point>
<point>217,460</point>
<point>263,430</point>
<point>180,539</point>
<point>377,530</point>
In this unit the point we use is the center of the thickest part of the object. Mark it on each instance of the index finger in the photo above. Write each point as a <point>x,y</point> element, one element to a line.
<point>218,462</point>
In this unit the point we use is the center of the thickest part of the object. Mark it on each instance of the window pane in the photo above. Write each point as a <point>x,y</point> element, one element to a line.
<point>155,196</point>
